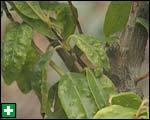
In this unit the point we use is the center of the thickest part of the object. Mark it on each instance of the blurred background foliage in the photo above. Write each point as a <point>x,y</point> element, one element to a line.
<point>91,16</point>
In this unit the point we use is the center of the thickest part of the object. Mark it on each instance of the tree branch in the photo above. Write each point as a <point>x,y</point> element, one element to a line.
<point>77,58</point>
<point>59,37</point>
<point>142,77</point>
<point>76,19</point>
<point>56,68</point>
<point>126,59</point>
<point>76,49</point>
<point>67,59</point>
<point>9,16</point>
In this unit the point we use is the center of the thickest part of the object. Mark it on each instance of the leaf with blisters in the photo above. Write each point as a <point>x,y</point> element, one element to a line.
<point>93,49</point>
<point>26,76</point>
<point>38,25</point>
<point>75,96</point>
<point>24,8</point>
<point>116,17</point>
<point>115,112</point>
<point>17,39</point>
<point>126,99</point>
<point>68,21</point>
<point>51,5</point>
<point>64,16</point>
<point>107,86</point>
<point>39,83</point>
<point>101,89</point>
<point>30,9</point>
<point>56,25</point>
<point>111,40</point>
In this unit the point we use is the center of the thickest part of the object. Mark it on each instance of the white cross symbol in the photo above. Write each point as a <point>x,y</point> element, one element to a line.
<point>8,110</point>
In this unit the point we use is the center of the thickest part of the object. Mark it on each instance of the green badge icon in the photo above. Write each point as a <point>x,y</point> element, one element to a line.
<point>8,110</point>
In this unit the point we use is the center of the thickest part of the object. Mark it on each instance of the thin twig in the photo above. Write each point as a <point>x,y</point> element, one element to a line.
<point>59,37</point>
<point>7,12</point>
<point>80,31</point>
<point>76,19</point>
<point>61,41</point>
<point>67,59</point>
<point>142,77</point>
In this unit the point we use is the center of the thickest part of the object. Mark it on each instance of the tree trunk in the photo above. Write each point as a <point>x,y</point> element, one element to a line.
<point>127,57</point>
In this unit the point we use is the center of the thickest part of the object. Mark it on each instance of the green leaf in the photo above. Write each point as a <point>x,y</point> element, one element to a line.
<point>65,17</point>
<point>26,76</point>
<point>101,88</point>
<point>56,111</point>
<point>64,24</point>
<point>44,5</point>
<point>38,25</point>
<point>93,49</point>
<point>39,83</point>
<point>116,17</point>
<point>75,96</point>
<point>14,50</point>
<point>51,5</point>
<point>30,9</point>
<point>20,36</point>
<point>126,99</point>
<point>115,112</point>
<point>107,86</point>
<point>57,25</point>
<point>143,22</point>
<point>111,40</point>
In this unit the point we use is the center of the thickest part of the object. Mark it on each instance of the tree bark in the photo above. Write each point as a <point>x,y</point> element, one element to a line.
<point>126,57</point>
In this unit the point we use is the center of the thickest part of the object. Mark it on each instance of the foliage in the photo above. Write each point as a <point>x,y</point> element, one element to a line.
<point>143,22</point>
<point>116,17</point>
<point>86,94</point>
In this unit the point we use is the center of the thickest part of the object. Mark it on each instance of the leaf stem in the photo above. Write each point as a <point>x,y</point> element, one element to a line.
<point>56,68</point>
<point>141,107</point>
<point>9,16</point>
<point>59,37</point>
<point>51,63</point>
<point>76,49</point>
<point>76,19</point>
<point>61,41</point>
